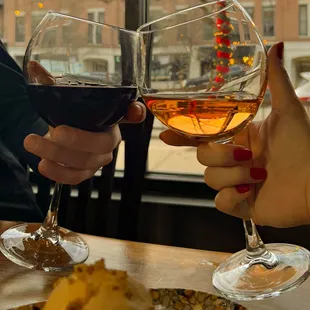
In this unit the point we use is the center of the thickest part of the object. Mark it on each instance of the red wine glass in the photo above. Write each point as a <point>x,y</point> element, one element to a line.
<point>81,74</point>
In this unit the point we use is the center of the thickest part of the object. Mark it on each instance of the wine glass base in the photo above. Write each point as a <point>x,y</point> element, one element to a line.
<point>20,245</point>
<point>236,279</point>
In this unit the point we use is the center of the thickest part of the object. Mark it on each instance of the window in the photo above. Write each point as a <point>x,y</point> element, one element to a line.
<point>208,31</point>
<point>268,21</point>
<point>20,29</point>
<point>235,33</point>
<point>250,11</point>
<point>94,32</point>
<point>245,24</point>
<point>66,32</point>
<point>50,38</point>
<point>303,20</point>
<point>35,20</point>
<point>163,159</point>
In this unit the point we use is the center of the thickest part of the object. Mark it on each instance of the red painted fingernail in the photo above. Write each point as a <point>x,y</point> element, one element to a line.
<point>243,188</point>
<point>280,49</point>
<point>242,155</point>
<point>258,173</point>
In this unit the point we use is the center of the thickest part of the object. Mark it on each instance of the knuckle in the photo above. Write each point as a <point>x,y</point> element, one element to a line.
<point>89,174</point>
<point>218,200</point>
<point>65,134</point>
<point>117,137</point>
<point>224,200</point>
<point>201,156</point>
<point>74,179</point>
<point>85,175</point>
<point>85,162</point>
<point>111,140</point>
<point>104,160</point>
<point>208,177</point>
<point>211,178</point>
<point>109,158</point>
<point>240,175</point>
<point>57,131</point>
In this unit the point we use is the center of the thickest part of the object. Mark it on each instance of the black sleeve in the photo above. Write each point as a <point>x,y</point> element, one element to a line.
<point>17,115</point>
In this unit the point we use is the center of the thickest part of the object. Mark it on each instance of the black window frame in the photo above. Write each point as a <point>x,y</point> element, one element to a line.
<point>167,186</point>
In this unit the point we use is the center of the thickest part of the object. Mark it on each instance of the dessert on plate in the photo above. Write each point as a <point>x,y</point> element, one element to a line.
<point>93,287</point>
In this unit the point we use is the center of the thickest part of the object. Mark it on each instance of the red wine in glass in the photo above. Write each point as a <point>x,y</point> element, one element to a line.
<point>93,108</point>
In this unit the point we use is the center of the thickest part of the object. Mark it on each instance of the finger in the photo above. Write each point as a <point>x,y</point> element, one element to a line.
<point>281,88</point>
<point>85,141</point>
<point>223,155</point>
<point>174,139</point>
<point>136,113</point>
<point>230,200</point>
<point>38,74</point>
<point>219,178</point>
<point>64,175</point>
<point>47,149</point>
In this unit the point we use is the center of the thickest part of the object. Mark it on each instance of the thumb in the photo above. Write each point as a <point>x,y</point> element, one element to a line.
<point>282,91</point>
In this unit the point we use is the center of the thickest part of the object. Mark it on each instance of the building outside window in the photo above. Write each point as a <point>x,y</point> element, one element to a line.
<point>94,32</point>
<point>268,21</point>
<point>35,20</point>
<point>250,11</point>
<point>303,20</point>
<point>20,28</point>
<point>164,159</point>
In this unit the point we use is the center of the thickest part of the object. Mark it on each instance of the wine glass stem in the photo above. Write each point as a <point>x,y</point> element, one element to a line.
<point>49,228</point>
<point>256,251</point>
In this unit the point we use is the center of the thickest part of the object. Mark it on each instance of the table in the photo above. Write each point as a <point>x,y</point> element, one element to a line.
<point>154,265</point>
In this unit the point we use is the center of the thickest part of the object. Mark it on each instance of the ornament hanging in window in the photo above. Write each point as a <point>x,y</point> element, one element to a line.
<point>222,45</point>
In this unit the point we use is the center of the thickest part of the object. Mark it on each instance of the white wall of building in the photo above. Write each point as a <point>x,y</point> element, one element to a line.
<point>293,51</point>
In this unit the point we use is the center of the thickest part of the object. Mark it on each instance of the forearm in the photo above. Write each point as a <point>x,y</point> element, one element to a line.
<point>17,115</point>
<point>17,126</point>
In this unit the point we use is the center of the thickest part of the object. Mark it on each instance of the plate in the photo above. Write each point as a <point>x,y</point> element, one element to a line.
<point>180,299</point>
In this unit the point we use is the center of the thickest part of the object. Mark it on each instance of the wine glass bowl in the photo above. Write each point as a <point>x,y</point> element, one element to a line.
<point>207,69</point>
<point>81,74</point>
<point>88,86</point>
<point>205,77</point>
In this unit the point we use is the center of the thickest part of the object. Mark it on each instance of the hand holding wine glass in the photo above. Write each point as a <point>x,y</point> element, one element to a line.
<point>280,143</point>
<point>81,78</point>
<point>80,153</point>
<point>218,82</point>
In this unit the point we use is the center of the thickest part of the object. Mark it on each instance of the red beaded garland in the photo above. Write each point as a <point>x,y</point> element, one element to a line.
<point>223,54</point>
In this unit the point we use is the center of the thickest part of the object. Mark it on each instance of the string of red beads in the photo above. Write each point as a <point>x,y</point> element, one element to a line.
<point>223,55</point>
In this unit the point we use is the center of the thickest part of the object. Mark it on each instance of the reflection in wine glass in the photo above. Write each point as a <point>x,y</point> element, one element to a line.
<point>206,77</point>
<point>72,81</point>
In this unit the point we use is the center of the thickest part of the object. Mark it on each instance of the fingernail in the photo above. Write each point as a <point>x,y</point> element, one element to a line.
<point>280,49</point>
<point>258,173</point>
<point>243,188</point>
<point>242,155</point>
